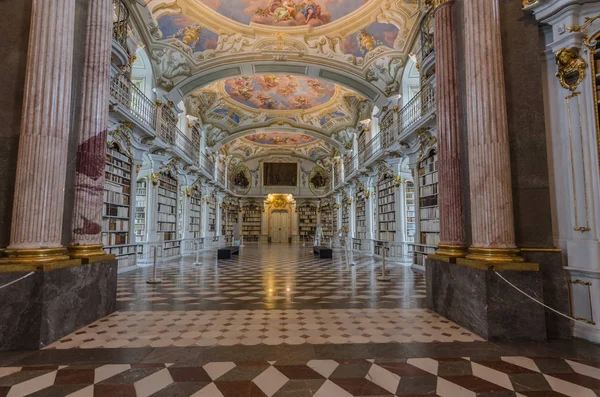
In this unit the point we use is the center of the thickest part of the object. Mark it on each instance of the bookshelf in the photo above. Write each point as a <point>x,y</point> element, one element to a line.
<point>251,222</point>
<point>429,210</point>
<point>411,224</point>
<point>346,213</point>
<point>195,213</point>
<point>307,221</point>
<point>360,230</point>
<point>167,214</point>
<point>386,209</point>
<point>212,216</point>
<point>141,194</point>
<point>223,220</point>
<point>327,220</point>
<point>232,218</point>
<point>116,209</point>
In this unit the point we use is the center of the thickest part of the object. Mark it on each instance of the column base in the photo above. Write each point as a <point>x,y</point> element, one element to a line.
<point>449,253</point>
<point>89,253</point>
<point>495,254</point>
<point>34,257</point>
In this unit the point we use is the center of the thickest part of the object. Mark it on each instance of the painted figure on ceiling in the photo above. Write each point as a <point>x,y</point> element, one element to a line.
<point>311,10</point>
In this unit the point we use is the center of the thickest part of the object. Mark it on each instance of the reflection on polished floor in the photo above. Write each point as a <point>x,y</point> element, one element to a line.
<point>276,321</point>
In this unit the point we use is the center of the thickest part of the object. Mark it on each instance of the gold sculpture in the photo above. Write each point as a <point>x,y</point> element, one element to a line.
<point>571,68</point>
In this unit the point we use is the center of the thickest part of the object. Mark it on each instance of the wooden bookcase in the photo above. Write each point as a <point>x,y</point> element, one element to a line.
<point>307,221</point>
<point>232,218</point>
<point>386,215</point>
<point>141,197</point>
<point>361,220</point>
<point>212,216</point>
<point>251,222</point>
<point>410,211</point>
<point>327,220</point>
<point>116,210</point>
<point>428,210</point>
<point>167,214</point>
<point>195,212</point>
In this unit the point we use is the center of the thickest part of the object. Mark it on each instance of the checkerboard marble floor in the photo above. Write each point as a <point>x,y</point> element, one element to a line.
<point>279,322</point>
<point>270,327</point>
<point>505,376</point>
<point>271,277</point>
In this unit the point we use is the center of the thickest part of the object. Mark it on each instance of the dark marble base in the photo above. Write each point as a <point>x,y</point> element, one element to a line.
<point>46,306</point>
<point>480,301</point>
<point>556,291</point>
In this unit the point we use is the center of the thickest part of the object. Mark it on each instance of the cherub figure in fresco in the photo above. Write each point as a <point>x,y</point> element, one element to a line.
<point>189,35</point>
<point>315,85</point>
<point>271,81</point>
<point>301,102</point>
<point>242,86</point>
<point>311,10</point>
<point>367,42</point>
<point>286,12</point>
<point>266,101</point>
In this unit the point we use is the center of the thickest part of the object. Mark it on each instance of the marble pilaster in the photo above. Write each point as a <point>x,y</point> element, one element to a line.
<point>489,158</point>
<point>43,143</point>
<point>452,232</point>
<point>91,150</point>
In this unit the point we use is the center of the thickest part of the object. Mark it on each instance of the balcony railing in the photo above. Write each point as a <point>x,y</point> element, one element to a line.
<point>120,21</point>
<point>338,175</point>
<point>349,165</point>
<point>221,176</point>
<point>185,144</point>
<point>207,165</point>
<point>371,149</point>
<point>134,100</point>
<point>418,107</point>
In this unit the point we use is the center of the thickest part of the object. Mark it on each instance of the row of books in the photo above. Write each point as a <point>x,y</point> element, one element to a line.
<point>116,197</point>
<point>115,210</point>
<point>115,225</point>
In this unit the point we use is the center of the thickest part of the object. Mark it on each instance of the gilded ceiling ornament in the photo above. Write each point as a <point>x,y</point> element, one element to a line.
<point>571,68</point>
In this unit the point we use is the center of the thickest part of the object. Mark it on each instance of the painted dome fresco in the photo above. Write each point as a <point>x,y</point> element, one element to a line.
<point>284,12</point>
<point>280,138</point>
<point>279,92</point>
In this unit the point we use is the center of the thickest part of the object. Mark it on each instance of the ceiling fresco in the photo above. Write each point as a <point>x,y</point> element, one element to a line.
<point>279,92</point>
<point>188,32</point>
<point>366,41</point>
<point>282,13</point>
<point>280,139</point>
<point>326,108</point>
<point>245,148</point>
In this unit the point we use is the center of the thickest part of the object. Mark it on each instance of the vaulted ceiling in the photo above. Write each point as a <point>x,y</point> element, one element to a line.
<point>278,75</point>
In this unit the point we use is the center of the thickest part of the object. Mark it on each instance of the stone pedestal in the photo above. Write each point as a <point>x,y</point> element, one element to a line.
<point>477,299</point>
<point>52,303</point>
